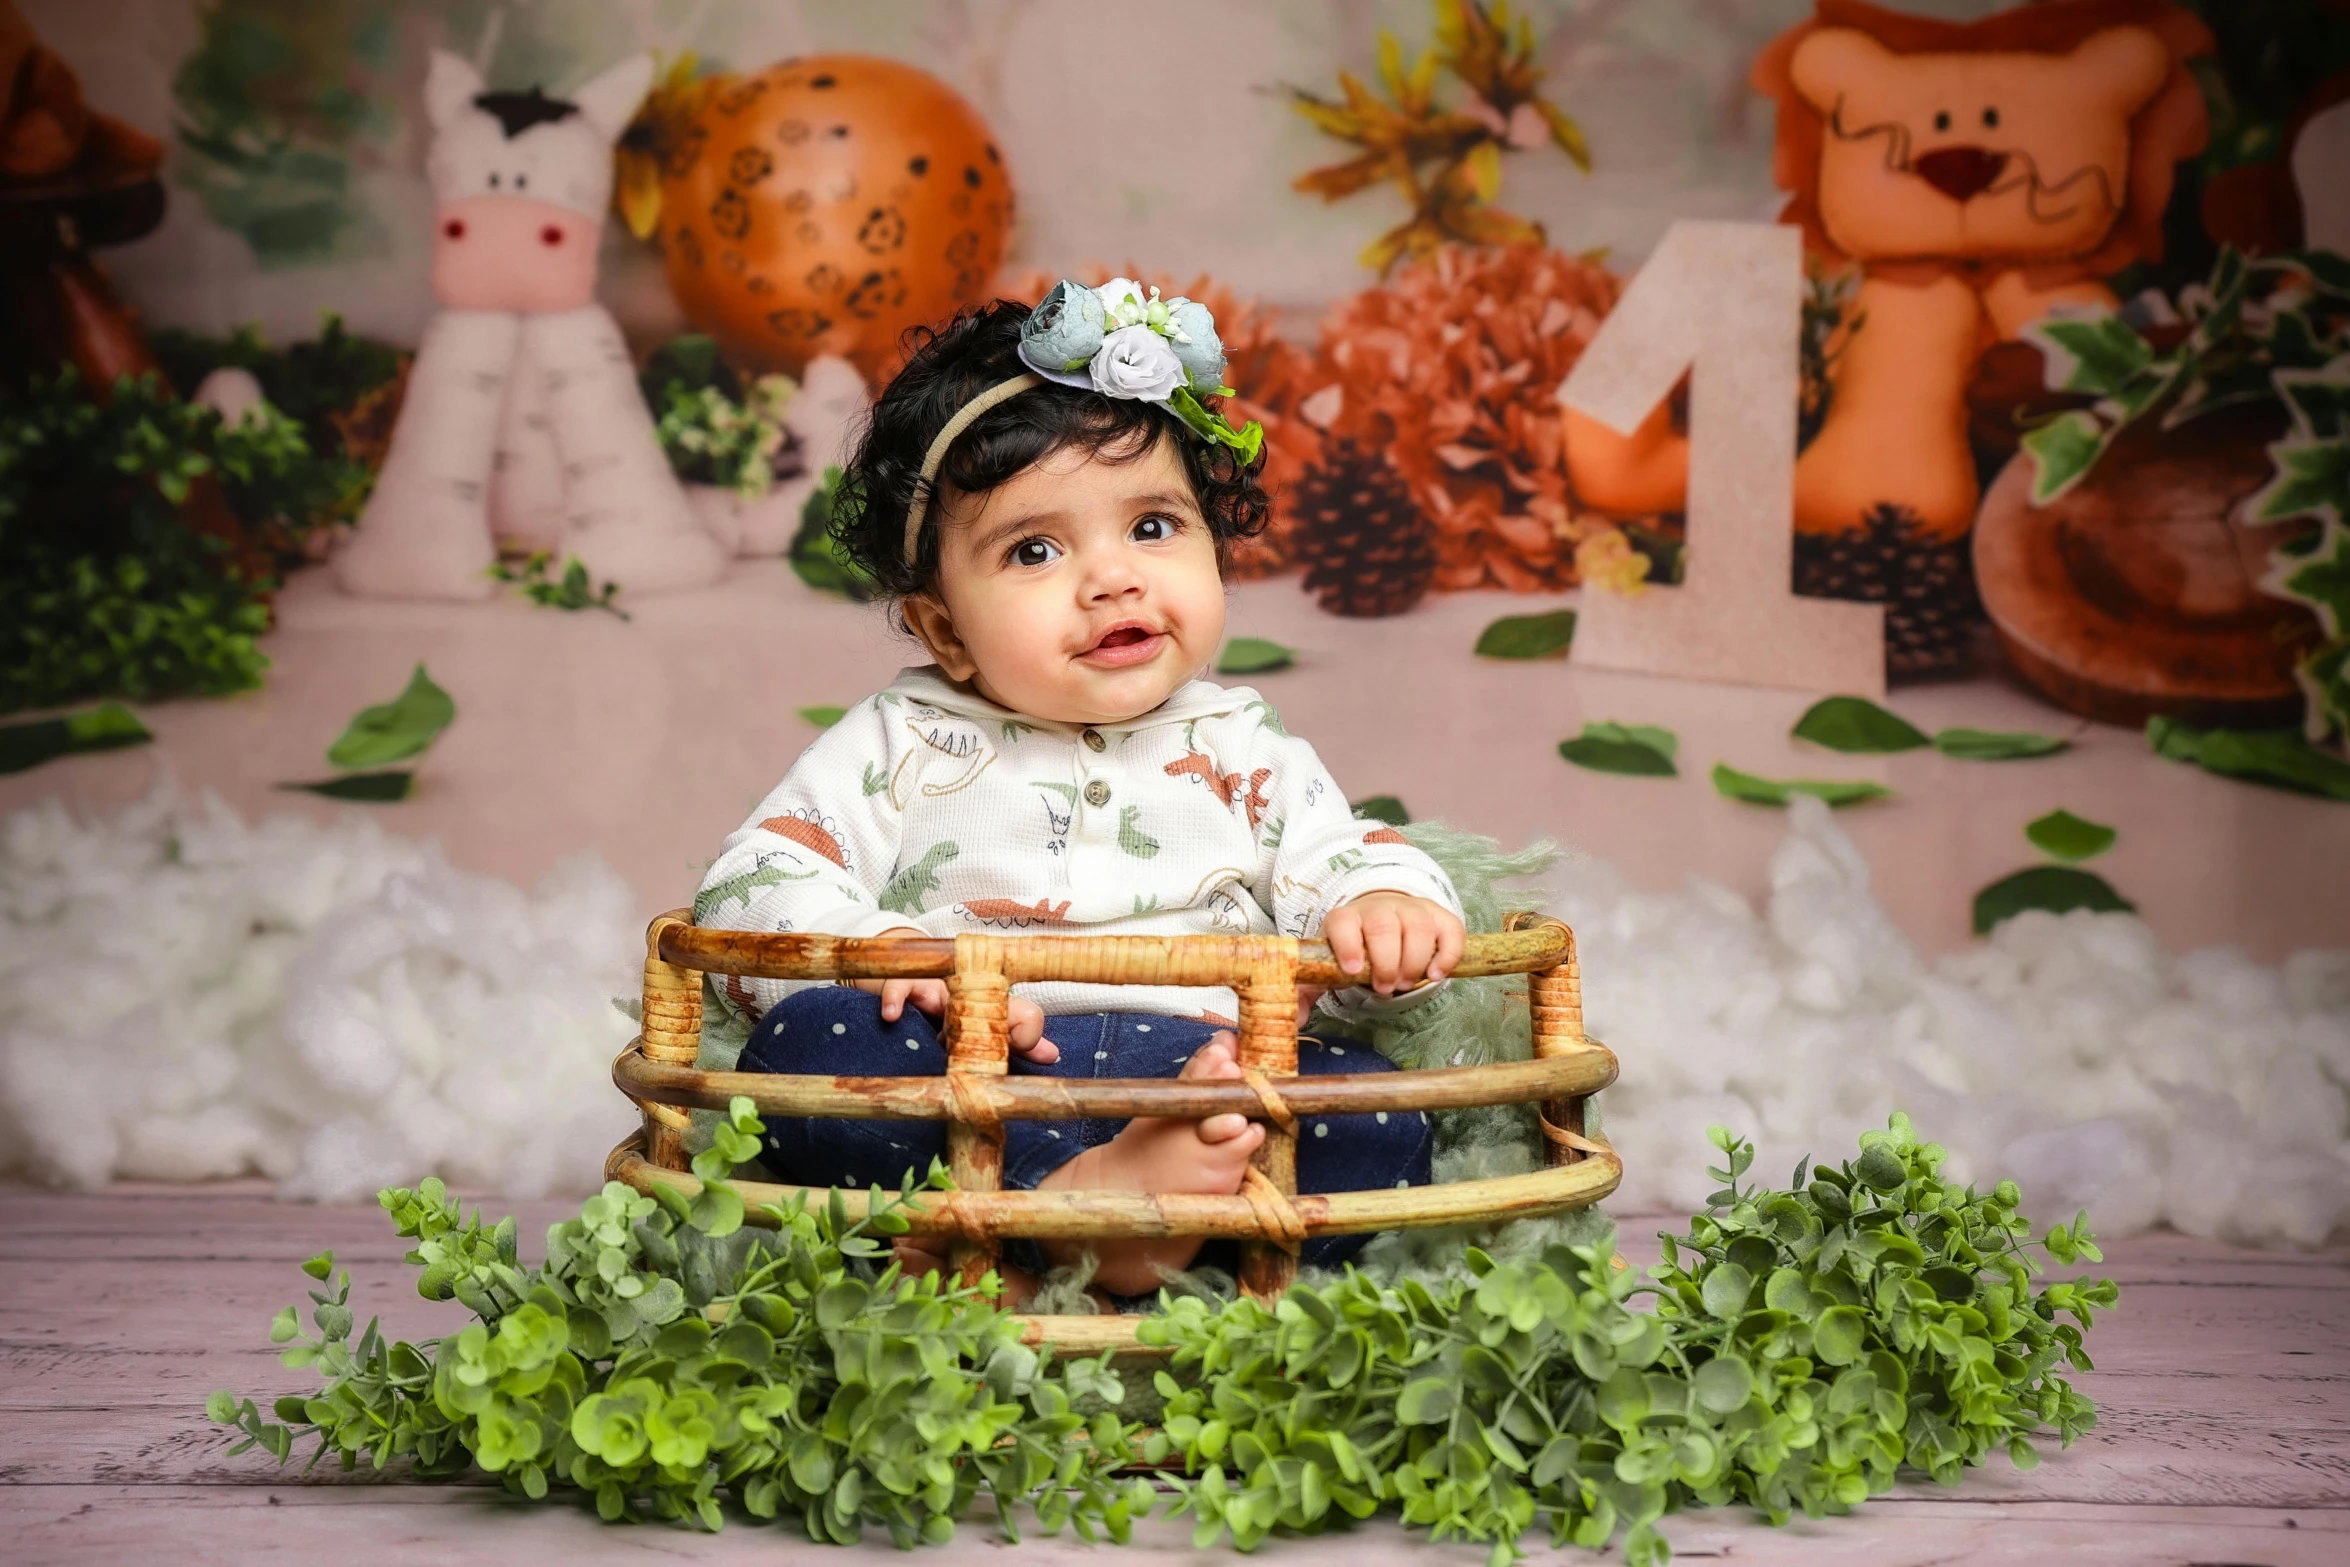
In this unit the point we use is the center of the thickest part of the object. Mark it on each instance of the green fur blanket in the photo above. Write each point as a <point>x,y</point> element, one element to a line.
<point>1472,1022</point>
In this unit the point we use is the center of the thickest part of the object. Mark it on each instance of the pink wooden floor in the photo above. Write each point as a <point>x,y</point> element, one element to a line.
<point>2223,1385</point>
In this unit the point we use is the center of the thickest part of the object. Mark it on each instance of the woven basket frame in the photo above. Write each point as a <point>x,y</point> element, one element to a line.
<point>976,1095</point>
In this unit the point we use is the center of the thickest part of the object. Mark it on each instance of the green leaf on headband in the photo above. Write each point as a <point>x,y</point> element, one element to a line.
<point>1528,636</point>
<point>2058,889</point>
<point>1735,785</point>
<point>824,717</point>
<point>1382,808</point>
<point>1637,750</point>
<point>1857,726</point>
<point>1254,656</point>
<point>2069,837</point>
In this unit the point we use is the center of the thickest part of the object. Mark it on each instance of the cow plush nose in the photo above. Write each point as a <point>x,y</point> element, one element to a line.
<point>1960,172</point>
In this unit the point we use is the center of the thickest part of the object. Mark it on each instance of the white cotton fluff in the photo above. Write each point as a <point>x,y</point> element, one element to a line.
<point>185,997</point>
<point>2068,1052</point>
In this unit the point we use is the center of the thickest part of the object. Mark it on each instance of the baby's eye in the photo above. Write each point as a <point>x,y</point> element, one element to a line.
<point>1034,552</point>
<point>1156,529</point>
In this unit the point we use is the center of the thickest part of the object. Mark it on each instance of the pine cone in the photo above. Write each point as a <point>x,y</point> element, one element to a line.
<point>1926,585</point>
<point>1367,549</point>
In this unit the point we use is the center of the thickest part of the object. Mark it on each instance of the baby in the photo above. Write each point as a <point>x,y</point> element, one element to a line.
<point>1046,498</point>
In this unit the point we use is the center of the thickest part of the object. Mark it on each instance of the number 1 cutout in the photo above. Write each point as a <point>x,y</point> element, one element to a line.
<point>1723,301</point>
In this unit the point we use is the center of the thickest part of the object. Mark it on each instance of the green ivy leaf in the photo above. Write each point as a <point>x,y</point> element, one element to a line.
<point>380,788</point>
<point>1528,636</point>
<point>2055,888</point>
<point>396,730</point>
<point>824,717</point>
<point>1638,750</point>
<point>1735,785</point>
<point>2063,451</point>
<point>1989,745</point>
<point>105,727</point>
<point>1253,656</point>
<point>1857,726</point>
<point>2070,837</point>
<point>2101,355</point>
<point>1382,808</point>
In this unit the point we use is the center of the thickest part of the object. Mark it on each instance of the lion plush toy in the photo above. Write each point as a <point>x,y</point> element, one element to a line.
<point>1979,175</point>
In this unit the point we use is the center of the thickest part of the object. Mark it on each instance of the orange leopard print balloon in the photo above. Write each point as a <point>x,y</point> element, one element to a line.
<point>825,205</point>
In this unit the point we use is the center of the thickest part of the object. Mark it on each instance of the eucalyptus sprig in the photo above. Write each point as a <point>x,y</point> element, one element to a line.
<point>673,1363</point>
<point>1805,1344</point>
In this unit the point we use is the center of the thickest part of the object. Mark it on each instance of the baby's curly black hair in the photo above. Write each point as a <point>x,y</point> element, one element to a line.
<point>945,370</point>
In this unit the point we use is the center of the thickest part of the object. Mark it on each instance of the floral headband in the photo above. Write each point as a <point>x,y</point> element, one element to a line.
<point>1121,344</point>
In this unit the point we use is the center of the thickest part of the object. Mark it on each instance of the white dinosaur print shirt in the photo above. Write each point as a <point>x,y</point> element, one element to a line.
<point>929,806</point>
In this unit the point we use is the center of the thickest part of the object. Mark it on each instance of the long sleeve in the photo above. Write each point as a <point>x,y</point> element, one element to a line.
<point>1317,855</point>
<point>818,852</point>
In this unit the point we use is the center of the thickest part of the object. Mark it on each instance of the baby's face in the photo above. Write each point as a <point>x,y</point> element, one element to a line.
<point>1083,591</point>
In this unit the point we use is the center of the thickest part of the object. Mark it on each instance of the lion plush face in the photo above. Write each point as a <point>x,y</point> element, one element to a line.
<point>1988,156</point>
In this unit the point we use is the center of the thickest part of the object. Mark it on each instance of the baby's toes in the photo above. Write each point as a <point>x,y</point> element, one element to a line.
<point>1212,1061</point>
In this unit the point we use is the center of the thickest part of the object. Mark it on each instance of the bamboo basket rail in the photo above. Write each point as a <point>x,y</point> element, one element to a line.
<point>976,1096</point>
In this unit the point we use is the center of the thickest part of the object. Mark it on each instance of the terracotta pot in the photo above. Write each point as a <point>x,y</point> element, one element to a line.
<point>2137,593</point>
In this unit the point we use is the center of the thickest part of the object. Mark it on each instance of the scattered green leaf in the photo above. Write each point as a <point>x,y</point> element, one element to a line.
<point>1735,785</point>
<point>396,730</point>
<point>1383,808</point>
<point>1991,745</point>
<point>2055,888</point>
<point>378,788</point>
<point>1857,726</point>
<point>2069,837</point>
<point>105,727</point>
<point>824,717</point>
<point>2280,758</point>
<point>1528,636</point>
<point>1253,656</point>
<point>1638,750</point>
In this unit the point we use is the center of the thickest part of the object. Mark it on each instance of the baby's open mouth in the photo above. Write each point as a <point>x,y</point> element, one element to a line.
<point>1126,644</point>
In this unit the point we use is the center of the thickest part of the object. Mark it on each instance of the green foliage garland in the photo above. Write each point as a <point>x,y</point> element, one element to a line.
<point>1805,1345</point>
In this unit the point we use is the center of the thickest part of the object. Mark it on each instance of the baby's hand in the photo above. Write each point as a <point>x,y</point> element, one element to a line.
<point>1402,940</point>
<point>929,997</point>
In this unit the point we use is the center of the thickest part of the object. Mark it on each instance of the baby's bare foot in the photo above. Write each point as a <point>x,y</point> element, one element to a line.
<point>1161,1154</point>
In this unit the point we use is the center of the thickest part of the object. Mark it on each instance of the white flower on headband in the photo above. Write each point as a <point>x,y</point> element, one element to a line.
<point>1136,362</point>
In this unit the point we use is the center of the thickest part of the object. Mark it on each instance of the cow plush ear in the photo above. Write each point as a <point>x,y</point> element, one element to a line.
<point>450,86</point>
<point>609,101</point>
<point>1832,62</point>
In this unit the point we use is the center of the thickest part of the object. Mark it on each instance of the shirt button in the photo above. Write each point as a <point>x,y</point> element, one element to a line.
<point>1097,793</point>
<point>1094,742</point>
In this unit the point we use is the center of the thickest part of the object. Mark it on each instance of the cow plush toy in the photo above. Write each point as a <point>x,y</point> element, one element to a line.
<point>522,420</point>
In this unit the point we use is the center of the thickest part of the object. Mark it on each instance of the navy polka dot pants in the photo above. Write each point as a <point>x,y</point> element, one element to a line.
<point>837,1031</point>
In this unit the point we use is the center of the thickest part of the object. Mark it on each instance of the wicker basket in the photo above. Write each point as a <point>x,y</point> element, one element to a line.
<point>975,1096</point>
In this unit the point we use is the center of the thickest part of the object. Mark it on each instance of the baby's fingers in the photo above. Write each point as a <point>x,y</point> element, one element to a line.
<point>1025,1020</point>
<point>1344,931</point>
<point>1452,939</point>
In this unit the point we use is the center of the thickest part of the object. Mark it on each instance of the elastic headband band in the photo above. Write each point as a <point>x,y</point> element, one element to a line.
<point>946,438</point>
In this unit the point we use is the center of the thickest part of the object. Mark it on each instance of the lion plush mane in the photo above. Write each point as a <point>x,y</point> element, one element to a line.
<point>2168,128</point>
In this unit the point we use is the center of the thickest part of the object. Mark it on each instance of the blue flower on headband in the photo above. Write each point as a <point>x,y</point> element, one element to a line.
<point>1197,345</point>
<point>1061,336</point>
